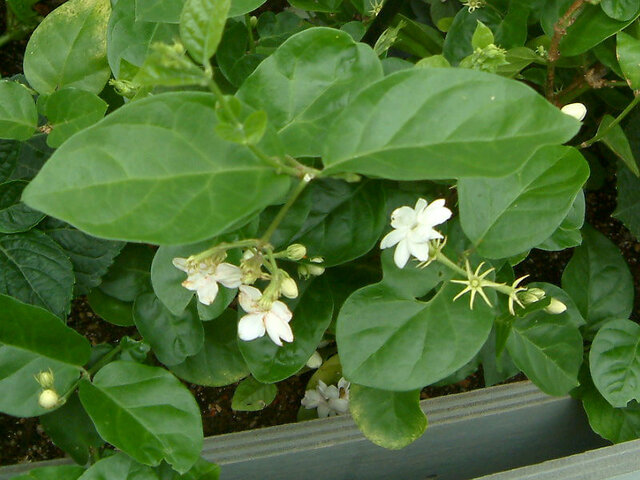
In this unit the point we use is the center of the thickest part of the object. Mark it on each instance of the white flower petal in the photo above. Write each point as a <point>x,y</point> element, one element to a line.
<point>339,405</point>
<point>312,399</point>
<point>195,281</point>
<point>277,329</point>
<point>392,238</point>
<point>207,291</point>
<point>251,326</point>
<point>332,392</point>
<point>575,110</point>
<point>401,255</point>
<point>420,205</point>
<point>248,298</point>
<point>435,214</point>
<point>344,384</point>
<point>281,310</point>
<point>229,275</point>
<point>403,217</point>
<point>180,264</point>
<point>322,388</point>
<point>323,410</point>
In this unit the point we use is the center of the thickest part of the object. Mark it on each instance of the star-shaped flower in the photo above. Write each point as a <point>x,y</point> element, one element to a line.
<point>259,319</point>
<point>413,229</point>
<point>203,277</point>
<point>474,284</point>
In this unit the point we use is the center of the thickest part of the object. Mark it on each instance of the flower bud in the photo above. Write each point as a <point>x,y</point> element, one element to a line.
<point>288,288</point>
<point>315,361</point>
<point>45,379</point>
<point>316,270</point>
<point>531,295</point>
<point>575,110</point>
<point>253,21</point>
<point>296,251</point>
<point>48,399</point>
<point>555,307</point>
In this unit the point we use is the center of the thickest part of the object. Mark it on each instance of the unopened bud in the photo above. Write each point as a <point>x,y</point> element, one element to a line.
<point>48,399</point>
<point>315,361</point>
<point>288,288</point>
<point>45,379</point>
<point>531,295</point>
<point>296,251</point>
<point>253,21</point>
<point>555,307</point>
<point>316,270</point>
<point>575,110</point>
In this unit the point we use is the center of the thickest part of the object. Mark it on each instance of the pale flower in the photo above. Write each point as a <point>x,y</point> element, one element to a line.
<point>413,229</point>
<point>575,110</point>
<point>258,320</point>
<point>203,277</point>
<point>329,400</point>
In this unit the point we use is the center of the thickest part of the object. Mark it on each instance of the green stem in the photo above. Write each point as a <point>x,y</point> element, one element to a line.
<point>224,246</point>
<point>285,208</point>
<point>600,135</point>
<point>443,259</point>
<point>252,43</point>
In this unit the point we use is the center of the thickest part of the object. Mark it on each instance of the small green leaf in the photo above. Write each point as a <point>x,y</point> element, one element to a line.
<point>18,114</point>
<point>145,412</point>
<point>168,65</point>
<point>163,11</point>
<point>69,48</point>
<point>251,395</point>
<point>129,276</point>
<point>482,37</point>
<point>327,6</point>
<point>568,234</point>
<point>629,57</point>
<point>59,472</point>
<point>620,9</point>
<point>201,26</point>
<point>392,420</point>
<point>15,216</point>
<point>434,61</point>
<point>617,141</point>
<point>255,125</point>
<point>111,309</point>
<point>628,201</point>
<point>615,424</point>
<point>118,467</point>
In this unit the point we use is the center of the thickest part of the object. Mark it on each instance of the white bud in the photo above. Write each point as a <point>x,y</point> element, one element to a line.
<point>575,110</point>
<point>316,270</point>
<point>315,361</point>
<point>288,288</point>
<point>296,251</point>
<point>555,307</point>
<point>48,399</point>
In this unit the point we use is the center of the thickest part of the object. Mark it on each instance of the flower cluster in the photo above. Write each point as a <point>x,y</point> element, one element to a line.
<point>329,400</point>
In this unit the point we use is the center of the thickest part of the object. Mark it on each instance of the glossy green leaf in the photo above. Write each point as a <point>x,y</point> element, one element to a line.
<point>308,80</point>
<point>614,361</point>
<point>270,363</point>
<point>39,341</point>
<point>402,128</point>
<point>145,412</point>
<point>70,428</point>
<point>219,363</point>
<point>15,216</point>
<point>165,11</point>
<point>251,395</point>
<point>598,280</point>
<point>34,269</point>
<point>240,7</point>
<point>169,65</point>
<point>457,43</point>
<point>18,115</point>
<point>391,342</point>
<point>9,153</point>
<point>31,155</point>
<point>571,315</point>
<point>70,110</point>
<point>392,420</point>
<point>153,169</point>
<point>620,9</point>
<point>523,209</point>
<point>202,470</point>
<point>629,58</point>
<point>548,350</point>
<point>111,309</point>
<point>317,5</point>
<point>568,234</point>
<point>232,57</point>
<point>172,337</point>
<point>617,141</point>
<point>628,201</point>
<point>59,472</point>
<point>591,27</point>
<point>91,257</point>
<point>615,424</point>
<point>119,467</point>
<point>129,40</point>
<point>201,26</point>
<point>482,36</point>
<point>496,367</point>
<point>129,275</point>
<point>69,48</point>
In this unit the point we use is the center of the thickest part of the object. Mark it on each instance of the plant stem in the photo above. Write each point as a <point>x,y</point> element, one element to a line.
<point>250,242</point>
<point>252,43</point>
<point>285,208</point>
<point>443,259</point>
<point>559,31</point>
<point>600,135</point>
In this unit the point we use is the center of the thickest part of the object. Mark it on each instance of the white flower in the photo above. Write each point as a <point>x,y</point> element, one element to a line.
<point>315,360</point>
<point>575,110</point>
<point>203,278</point>
<point>258,320</point>
<point>329,400</point>
<point>555,307</point>
<point>48,399</point>
<point>413,229</point>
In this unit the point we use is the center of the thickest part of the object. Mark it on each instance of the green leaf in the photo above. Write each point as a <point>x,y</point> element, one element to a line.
<point>614,361</point>
<point>169,65</point>
<point>144,175</point>
<point>327,6</point>
<point>232,57</point>
<point>615,424</point>
<point>629,57</point>
<point>172,337</point>
<point>23,11</point>
<point>568,234</point>
<point>251,395</point>
<point>18,114</point>
<point>34,269</point>
<point>39,341</point>
<point>129,275</point>
<point>31,155</point>
<point>165,11</point>
<point>311,317</point>
<point>129,41</point>
<point>617,141</point>
<point>571,315</point>
<point>201,26</point>
<point>69,48</point>
<point>307,81</point>
<point>70,110</point>
<point>590,28</point>
<point>392,420</point>
<point>91,257</point>
<point>240,7</point>
<point>628,201</point>
<point>219,363</point>
<point>145,412</point>
<point>9,153</point>
<point>523,209</point>
<point>118,467</point>
<point>401,127</point>
<point>111,309</point>
<point>620,9</point>
<point>390,342</point>
<point>598,280</point>
<point>70,428</point>
<point>457,43</point>
<point>482,36</point>
<point>202,470</point>
<point>59,472</point>
<point>15,216</point>
<point>548,350</point>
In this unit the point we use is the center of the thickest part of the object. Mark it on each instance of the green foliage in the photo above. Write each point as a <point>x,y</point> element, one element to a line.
<point>201,26</point>
<point>18,115</point>
<point>251,395</point>
<point>629,57</point>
